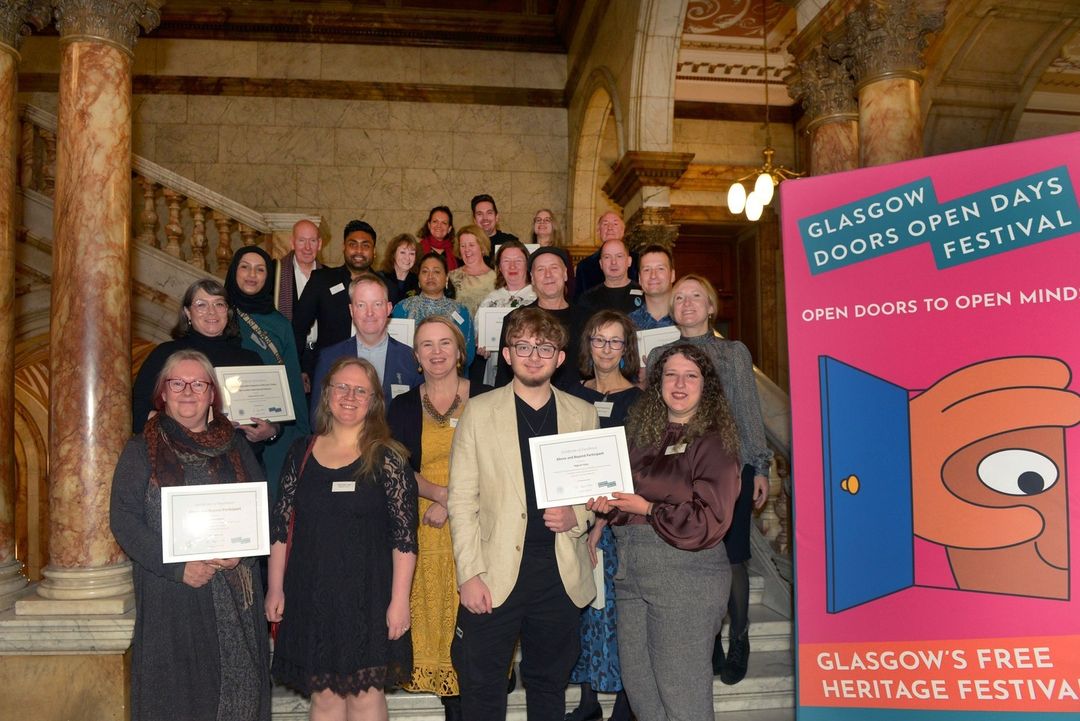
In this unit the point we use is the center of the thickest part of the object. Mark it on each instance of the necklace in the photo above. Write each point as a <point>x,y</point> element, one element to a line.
<point>547,412</point>
<point>443,419</point>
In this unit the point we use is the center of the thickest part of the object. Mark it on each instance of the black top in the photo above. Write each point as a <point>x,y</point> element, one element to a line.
<point>626,299</point>
<point>531,424</point>
<point>325,299</point>
<point>620,400</point>
<point>567,375</point>
<point>220,350</point>
<point>399,290</point>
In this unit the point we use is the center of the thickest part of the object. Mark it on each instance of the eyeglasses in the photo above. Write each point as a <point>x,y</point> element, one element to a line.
<point>544,350</point>
<point>179,385</point>
<point>202,307</point>
<point>542,221</point>
<point>614,343</point>
<point>344,390</point>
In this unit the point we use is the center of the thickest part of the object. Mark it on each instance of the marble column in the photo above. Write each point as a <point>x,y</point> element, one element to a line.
<point>16,20</point>
<point>882,43</point>
<point>641,184</point>
<point>90,331</point>
<point>827,93</point>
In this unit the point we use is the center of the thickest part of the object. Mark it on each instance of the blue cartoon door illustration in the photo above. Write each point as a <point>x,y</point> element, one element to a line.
<point>867,468</point>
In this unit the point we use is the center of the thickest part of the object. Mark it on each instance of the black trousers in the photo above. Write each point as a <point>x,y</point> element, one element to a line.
<point>537,611</point>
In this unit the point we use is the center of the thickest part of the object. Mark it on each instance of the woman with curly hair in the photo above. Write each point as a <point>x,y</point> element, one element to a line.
<point>672,585</point>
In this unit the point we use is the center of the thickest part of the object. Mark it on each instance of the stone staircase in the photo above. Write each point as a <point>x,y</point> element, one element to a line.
<point>766,694</point>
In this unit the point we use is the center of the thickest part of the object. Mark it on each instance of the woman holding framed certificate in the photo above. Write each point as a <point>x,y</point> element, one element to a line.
<point>672,584</point>
<point>200,649</point>
<point>347,511</point>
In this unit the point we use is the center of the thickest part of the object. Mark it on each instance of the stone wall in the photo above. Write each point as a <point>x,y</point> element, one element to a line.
<point>387,161</point>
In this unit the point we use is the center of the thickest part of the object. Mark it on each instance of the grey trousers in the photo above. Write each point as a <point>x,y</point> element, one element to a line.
<point>671,604</point>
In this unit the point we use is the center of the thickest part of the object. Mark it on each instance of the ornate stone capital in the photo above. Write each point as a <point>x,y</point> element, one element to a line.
<point>823,86</point>
<point>18,18</point>
<point>884,38</point>
<point>112,21</point>
<point>651,226</point>
<point>640,168</point>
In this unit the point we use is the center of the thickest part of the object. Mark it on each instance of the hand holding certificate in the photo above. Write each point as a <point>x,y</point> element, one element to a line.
<point>255,392</point>
<point>571,468</point>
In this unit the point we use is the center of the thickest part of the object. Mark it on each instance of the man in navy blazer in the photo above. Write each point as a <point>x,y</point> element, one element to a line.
<point>370,307</point>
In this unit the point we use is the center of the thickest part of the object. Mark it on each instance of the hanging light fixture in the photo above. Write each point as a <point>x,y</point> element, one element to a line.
<point>768,176</point>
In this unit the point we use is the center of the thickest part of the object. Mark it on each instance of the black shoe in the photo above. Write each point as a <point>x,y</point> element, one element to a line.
<point>579,714</point>
<point>511,683</point>
<point>452,708</point>
<point>717,655</point>
<point>734,669</point>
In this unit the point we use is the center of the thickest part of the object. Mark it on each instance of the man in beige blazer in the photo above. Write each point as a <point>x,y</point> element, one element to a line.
<point>522,572</point>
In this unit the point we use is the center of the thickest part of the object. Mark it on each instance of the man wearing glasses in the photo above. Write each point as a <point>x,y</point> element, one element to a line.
<point>522,572</point>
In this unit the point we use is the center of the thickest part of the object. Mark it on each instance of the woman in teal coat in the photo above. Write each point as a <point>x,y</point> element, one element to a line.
<point>267,332</point>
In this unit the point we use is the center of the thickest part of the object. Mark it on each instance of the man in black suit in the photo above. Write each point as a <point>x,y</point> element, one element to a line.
<point>326,297</point>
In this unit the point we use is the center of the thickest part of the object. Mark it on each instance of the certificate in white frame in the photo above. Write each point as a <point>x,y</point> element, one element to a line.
<point>401,330</point>
<point>255,392</point>
<point>571,468</point>
<point>647,340</point>
<point>219,520</point>
<point>489,323</point>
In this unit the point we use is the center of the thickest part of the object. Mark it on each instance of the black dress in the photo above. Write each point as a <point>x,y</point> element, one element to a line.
<point>333,634</point>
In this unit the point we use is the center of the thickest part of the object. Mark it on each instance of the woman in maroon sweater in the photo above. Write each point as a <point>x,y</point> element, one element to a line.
<point>672,584</point>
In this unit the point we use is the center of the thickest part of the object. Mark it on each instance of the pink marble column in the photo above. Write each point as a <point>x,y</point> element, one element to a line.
<point>883,43</point>
<point>834,145</point>
<point>827,92</point>
<point>90,332</point>
<point>15,20</point>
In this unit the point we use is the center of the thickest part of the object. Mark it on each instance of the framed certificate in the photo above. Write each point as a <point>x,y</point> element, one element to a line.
<point>221,520</point>
<point>647,340</point>
<point>571,468</point>
<point>531,247</point>
<point>401,330</point>
<point>255,392</point>
<point>489,323</point>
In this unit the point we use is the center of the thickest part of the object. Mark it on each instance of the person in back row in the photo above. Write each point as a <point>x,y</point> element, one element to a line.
<point>326,299</point>
<point>617,292</point>
<point>486,215</point>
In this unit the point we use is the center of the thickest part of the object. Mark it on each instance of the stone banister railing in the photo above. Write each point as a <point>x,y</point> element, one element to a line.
<point>170,212</point>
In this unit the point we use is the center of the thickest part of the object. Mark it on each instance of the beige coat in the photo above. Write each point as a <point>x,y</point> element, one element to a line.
<point>487,497</point>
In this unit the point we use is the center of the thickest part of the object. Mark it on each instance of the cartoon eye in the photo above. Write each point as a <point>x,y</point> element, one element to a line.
<point>1018,472</point>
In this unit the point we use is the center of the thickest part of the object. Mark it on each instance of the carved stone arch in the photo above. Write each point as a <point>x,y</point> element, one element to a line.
<point>651,120</point>
<point>985,65</point>
<point>593,120</point>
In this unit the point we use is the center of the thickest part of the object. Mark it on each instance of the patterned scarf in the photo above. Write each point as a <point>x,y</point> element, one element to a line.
<point>445,246</point>
<point>175,451</point>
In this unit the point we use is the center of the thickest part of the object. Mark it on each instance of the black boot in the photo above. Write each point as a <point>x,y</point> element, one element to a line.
<point>738,657</point>
<point>718,654</point>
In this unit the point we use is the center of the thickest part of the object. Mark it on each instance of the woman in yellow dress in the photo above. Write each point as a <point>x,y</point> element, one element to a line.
<point>423,420</point>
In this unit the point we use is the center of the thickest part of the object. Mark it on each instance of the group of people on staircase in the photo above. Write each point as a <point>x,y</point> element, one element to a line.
<point>408,548</point>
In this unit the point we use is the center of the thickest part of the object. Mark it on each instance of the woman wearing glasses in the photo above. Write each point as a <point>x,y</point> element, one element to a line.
<point>343,550</point>
<point>200,649</point>
<point>609,361</point>
<point>205,323</point>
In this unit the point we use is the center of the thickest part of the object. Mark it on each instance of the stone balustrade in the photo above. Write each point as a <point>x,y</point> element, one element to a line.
<point>170,212</point>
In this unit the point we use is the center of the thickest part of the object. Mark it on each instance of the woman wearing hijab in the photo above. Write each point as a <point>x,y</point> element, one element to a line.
<point>268,333</point>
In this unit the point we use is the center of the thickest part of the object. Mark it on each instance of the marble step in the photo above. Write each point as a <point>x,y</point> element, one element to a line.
<point>769,630</point>
<point>769,686</point>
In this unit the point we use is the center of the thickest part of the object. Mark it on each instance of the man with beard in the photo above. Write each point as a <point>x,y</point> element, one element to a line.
<point>326,298</point>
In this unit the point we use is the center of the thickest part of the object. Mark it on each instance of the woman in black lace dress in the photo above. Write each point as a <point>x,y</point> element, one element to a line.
<point>348,514</point>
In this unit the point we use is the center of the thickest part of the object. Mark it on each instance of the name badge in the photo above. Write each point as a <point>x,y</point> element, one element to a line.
<point>636,291</point>
<point>337,289</point>
<point>457,317</point>
<point>675,449</point>
<point>604,408</point>
<point>396,389</point>
<point>258,341</point>
<point>453,422</point>
<point>343,487</point>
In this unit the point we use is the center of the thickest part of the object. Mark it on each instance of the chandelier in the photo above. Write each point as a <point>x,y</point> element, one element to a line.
<point>768,176</point>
